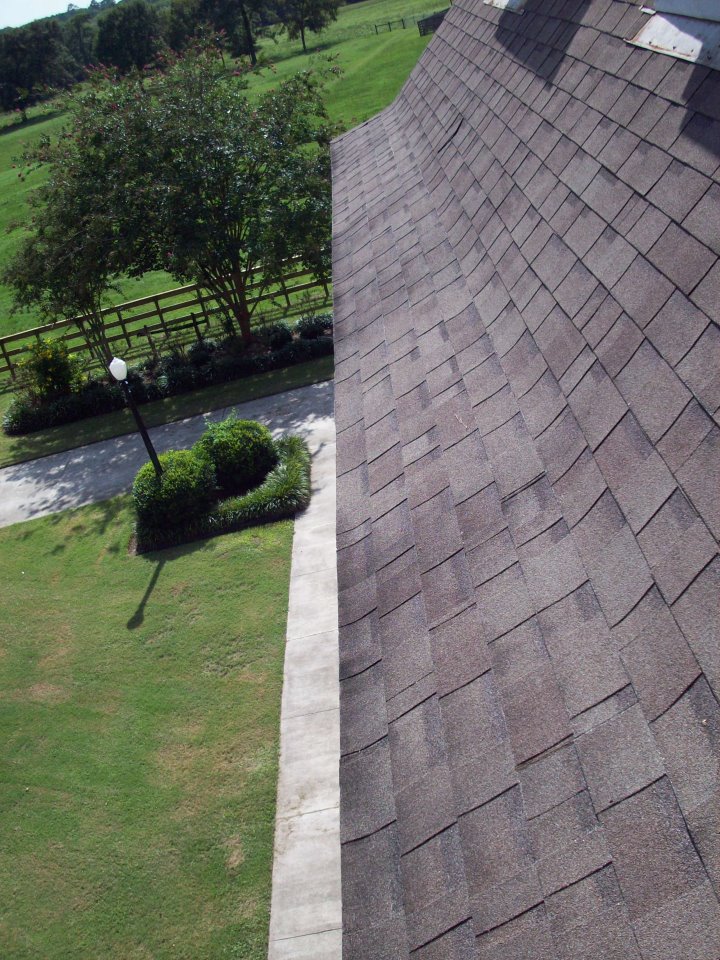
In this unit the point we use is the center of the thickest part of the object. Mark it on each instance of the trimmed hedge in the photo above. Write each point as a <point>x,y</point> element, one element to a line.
<point>95,397</point>
<point>187,487</point>
<point>241,451</point>
<point>285,490</point>
<point>205,364</point>
<point>315,326</point>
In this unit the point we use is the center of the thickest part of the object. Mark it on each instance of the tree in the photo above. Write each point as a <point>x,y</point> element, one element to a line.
<point>299,16</point>
<point>79,36</point>
<point>128,36</point>
<point>72,256</point>
<point>239,189</point>
<point>238,20</point>
<point>183,174</point>
<point>33,61</point>
<point>65,267</point>
<point>180,23</point>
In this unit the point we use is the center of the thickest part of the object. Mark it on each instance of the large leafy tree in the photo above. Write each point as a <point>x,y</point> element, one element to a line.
<point>79,37</point>
<point>33,61</point>
<point>128,35</point>
<point>184,174</point>
<point>71,256</point>
<point>238,20</point>
<point>243,186</point>
<point>300,16</point>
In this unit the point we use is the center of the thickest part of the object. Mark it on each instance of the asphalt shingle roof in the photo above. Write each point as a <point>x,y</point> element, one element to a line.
<point>527,299</point>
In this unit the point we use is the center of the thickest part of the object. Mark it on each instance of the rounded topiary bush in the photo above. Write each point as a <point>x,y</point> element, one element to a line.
<point>241,451</point>
<point>314,325</point>
<point>186,489</point>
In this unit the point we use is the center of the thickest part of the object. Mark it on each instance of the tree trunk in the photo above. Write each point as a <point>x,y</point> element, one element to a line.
<point>302,37</point>
<point>248,34</point>
<point>240,308</point>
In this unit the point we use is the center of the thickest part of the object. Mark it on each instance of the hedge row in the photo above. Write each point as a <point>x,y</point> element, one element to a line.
<point>284,491</point>
<point>204,365</point>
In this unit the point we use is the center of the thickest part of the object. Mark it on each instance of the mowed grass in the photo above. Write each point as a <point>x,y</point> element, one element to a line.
<point>139,715</point>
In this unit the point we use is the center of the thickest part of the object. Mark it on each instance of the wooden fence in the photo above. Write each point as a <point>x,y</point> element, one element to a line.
<point>404,22</point>
<point>150,324</point>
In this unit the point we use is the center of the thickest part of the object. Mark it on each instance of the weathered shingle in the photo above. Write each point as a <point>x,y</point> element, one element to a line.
<point>526,285</point>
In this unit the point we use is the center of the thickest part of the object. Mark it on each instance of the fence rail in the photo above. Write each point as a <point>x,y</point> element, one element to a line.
<point>402,23</point>
<point>150,323</point>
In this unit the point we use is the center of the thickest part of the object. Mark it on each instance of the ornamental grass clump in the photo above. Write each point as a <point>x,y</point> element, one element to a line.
<point>50,371</point>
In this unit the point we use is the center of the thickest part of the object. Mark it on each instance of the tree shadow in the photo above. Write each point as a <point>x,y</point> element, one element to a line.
<point>30,122</point>
<point>539,41</point>
<point>543,43</point>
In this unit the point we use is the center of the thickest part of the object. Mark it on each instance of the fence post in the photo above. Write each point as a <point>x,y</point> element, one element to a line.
<point>121,318</point>
<point>6,357</point>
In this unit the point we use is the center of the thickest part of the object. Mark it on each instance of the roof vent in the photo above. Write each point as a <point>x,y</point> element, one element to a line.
<point>687,29</point>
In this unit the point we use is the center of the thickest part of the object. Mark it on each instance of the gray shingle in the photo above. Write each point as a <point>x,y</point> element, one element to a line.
<point>526,325</point>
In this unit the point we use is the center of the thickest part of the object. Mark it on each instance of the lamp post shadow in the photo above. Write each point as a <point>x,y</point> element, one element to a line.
<point>138,617</point>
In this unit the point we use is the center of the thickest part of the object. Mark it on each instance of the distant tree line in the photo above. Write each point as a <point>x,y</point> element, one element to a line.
<point>52,54</point>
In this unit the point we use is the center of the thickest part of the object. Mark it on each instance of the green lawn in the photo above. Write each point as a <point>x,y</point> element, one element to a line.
<point>139,716</point>
<point>44,442</point>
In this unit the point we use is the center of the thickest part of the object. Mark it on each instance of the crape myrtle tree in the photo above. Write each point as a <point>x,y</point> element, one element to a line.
<point>71,256</point>
<point>243,186</point>
<point>182,173</point>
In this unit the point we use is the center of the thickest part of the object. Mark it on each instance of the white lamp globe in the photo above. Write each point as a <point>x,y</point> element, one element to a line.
<point>118,368</point>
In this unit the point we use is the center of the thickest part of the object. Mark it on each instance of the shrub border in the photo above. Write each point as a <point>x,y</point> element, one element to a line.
<point>284,492</point>
<point>98,397</point>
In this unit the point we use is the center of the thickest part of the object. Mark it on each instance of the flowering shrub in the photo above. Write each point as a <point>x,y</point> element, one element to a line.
<point>50,371</point>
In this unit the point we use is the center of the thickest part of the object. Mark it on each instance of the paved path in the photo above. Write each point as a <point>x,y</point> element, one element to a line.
<point>102,470</point>
<point>306,911</point>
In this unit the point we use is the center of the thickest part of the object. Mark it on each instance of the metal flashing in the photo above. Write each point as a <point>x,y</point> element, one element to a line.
<point>512,6</point>
<point>687,38</point>
<point>698,9</point>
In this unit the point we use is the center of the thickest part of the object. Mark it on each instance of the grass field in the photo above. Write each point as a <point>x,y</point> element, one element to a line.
<point>374,68</point>
<point>139,716</point>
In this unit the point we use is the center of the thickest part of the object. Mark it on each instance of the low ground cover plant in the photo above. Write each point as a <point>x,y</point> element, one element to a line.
<point>75,396</point>
<point>235,476</point>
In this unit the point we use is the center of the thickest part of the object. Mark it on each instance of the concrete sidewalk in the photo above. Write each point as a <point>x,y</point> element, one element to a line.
<point>102,470</point>
<point>306,911</point>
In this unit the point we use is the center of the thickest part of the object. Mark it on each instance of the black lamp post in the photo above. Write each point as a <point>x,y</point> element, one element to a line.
<point>118,369</point>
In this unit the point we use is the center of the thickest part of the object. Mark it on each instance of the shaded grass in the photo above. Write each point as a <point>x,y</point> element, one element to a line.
<point>71,435</point>
<point>139,714</point>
